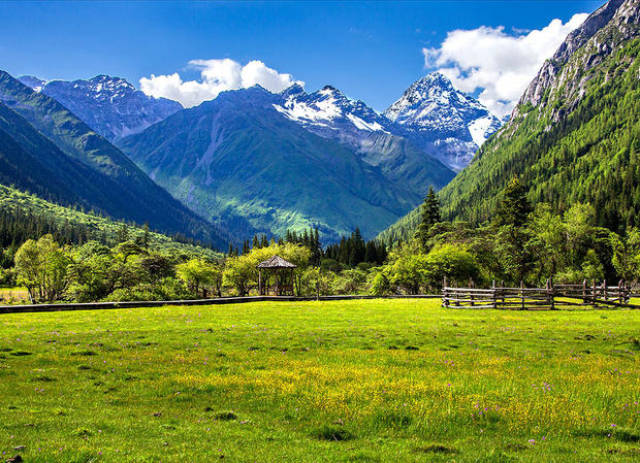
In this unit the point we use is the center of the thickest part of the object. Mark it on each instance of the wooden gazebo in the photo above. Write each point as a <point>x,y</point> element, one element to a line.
<point>283,272</point>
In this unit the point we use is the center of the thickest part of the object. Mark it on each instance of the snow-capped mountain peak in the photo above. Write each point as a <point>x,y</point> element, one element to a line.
<point>104,87</point>
<point>437,116</point>
<point>109,105</point>
<point>329,110</point>
<point>428,97</point>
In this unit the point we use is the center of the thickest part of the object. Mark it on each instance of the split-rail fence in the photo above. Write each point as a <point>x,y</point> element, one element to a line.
<point>551,296</point>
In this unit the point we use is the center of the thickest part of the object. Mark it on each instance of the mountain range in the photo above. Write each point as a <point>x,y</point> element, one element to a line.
<point>47,150</point>
<point>251,161</point>
<point>244,160</point>
<point>573,137</point>
<point>248,168</point>
<point>110,106</point>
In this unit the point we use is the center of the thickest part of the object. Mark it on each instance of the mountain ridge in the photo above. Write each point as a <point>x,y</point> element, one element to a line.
<point>126,192</point>
<point>111,106</point>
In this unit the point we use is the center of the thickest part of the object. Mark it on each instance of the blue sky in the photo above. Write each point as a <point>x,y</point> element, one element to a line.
<point>372,51</point>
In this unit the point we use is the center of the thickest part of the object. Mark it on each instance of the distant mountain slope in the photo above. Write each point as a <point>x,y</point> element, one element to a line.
<point>575,135</point>
<point>83,167</point>
<point>111,106</point>
<point>30,161</point>
<point>380,143</point>
<point>243,164</point>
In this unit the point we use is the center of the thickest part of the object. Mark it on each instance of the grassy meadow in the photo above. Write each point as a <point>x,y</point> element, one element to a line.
<point>354,381</point>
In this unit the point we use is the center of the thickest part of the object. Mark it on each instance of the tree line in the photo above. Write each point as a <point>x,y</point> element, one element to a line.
<point>520,243</point>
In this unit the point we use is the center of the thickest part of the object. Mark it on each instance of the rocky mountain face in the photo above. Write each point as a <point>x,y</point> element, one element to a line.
<point>249,167</point>
<point>109,105</point>
<point>575,135</point>
<point>586,47</point>
<point>330,114</point>
<point>46,149</point>
<point>442,121</point>
<point>434,117</point>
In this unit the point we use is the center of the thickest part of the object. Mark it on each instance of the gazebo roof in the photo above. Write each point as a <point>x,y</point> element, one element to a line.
<point>276,262</point>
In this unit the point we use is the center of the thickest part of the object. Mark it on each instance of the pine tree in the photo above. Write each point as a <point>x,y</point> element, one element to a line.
<point>146,237</point>
<point>430,216</point>
<point>514,207</point>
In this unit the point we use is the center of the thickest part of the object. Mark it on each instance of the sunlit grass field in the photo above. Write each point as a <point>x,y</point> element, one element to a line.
<point>355,381</point>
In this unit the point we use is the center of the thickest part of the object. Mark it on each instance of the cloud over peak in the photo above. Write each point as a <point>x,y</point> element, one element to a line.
<point>216,75</point>
<point>498,64</point>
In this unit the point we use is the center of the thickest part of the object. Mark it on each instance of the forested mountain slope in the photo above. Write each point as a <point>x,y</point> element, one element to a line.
<point>575,136</point>
<point>49,151</point>
<point>26,216</point>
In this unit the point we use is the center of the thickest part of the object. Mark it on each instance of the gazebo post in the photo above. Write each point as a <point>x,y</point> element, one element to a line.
<point>259,282</point>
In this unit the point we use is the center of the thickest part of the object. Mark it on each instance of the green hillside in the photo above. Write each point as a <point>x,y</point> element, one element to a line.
<point>51,152</point>
<point>575,137</point>
<point>17,206</point>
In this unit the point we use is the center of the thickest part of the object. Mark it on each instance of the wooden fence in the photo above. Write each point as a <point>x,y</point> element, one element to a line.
<point>552,296</point>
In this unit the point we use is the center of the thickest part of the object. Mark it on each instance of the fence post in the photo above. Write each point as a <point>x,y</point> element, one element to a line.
<point>493,294</point>
<point>604,290</point>
<point>549,296</point>
<point>471,291</point>
<point>593,292</point>
<point>584,291</point>
<point>445,293</point>
<point>522,293</point>
<point>621,291</point>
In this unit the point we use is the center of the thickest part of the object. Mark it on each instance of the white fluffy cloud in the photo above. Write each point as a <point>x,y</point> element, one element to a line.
<point>499,64</point>
<point>216,75</point>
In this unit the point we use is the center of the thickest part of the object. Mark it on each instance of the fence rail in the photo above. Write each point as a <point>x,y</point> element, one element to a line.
<point>551,297</point>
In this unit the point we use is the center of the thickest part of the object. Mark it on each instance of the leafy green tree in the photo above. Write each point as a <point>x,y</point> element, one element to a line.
<point>381,286</point>
<point>409,272</point>
<point>42,267</point>
<point>626,254</point>
<point>196,273</point>
<point>453,261</point>
<point>514,207</point>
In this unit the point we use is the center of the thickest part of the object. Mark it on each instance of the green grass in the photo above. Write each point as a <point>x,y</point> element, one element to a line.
<point>356,381</point>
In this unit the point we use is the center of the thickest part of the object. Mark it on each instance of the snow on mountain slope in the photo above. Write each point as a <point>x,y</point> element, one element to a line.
<point>437,119</point>
<point>109,105</point>
<point>330,114</point>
